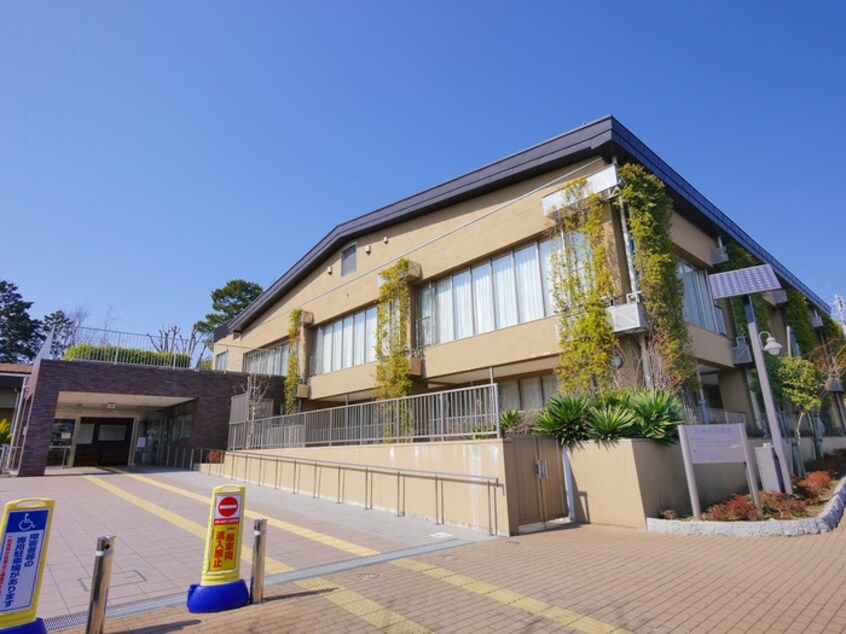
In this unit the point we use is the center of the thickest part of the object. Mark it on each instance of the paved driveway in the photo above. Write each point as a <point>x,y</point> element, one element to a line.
<point>335,568</point>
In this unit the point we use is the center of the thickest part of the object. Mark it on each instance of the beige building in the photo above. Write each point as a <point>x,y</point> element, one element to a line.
<point>481,303</point>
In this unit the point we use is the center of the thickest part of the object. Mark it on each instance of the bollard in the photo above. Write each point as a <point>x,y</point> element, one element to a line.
<point>100,585</point>
<point>259,547</point>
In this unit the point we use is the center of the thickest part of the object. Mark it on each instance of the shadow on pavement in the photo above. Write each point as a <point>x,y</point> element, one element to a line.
<point>162,627</point>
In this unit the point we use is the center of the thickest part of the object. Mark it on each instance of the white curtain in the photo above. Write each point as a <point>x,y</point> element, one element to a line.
<point>358,336</point>
<point>531,393</point>
<point>504,292</point>
<point>284,352</point>
<point>529,292</point>
<point>550,386</point>
<point>370,334</point>
<point>483,298</point>
<point>509,394</point>
<point>443,310</point>
<point>462,295</point>
<point>337,350</point>
<point>698,303</point>
<point>426,327</point>
<point>348,341</point>
<point>326,348</point>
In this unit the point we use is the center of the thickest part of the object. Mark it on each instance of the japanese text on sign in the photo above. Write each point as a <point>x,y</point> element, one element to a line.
<point>712,444</point>
<point>20,555</point>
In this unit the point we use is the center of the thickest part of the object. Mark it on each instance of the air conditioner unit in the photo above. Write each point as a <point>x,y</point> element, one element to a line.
<point>741,354</point>
<point>602,182</point>
<point>415,272</point>
<point>627,318</point>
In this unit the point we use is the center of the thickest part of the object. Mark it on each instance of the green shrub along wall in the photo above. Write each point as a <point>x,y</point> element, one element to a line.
<point>88,352</point>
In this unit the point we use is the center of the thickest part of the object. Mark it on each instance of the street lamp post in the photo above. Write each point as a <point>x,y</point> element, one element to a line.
<point>766,391</point>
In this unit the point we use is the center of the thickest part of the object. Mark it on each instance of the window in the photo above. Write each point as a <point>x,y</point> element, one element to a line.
<point>527,394</point>
<point>270,362</point>
<point>699,306</point>
<point>514,288</point>
<point>220,361</point>
<point>348,259</point>
<point>346,342</point>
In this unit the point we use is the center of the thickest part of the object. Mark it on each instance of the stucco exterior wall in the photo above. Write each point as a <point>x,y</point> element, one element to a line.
<point>448,498</point>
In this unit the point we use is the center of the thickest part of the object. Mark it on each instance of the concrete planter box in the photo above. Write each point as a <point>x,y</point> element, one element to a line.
<point>626,482</point>
<point>623,482</point>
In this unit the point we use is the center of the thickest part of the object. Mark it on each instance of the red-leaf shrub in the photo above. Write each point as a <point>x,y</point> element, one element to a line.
<point>782,505</point>
<point>813,485</point>
<point>736,508</point>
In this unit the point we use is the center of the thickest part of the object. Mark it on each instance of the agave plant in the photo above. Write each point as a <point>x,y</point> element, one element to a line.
<point>658,415</point>
<point>509,420</point>
<point>565,419</point>
<point>611,421</point>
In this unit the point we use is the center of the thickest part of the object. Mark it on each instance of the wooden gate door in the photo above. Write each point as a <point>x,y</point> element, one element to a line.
<point>540,479</point>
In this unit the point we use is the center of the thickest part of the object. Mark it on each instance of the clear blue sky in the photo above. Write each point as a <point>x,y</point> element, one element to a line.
<point>150,151</point>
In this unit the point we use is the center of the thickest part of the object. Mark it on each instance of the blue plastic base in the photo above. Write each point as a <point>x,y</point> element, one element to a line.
<point>217,598</point>
<point>35,627</point>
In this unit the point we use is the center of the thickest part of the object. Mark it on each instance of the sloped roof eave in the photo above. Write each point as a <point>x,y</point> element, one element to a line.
<point>603,136</point>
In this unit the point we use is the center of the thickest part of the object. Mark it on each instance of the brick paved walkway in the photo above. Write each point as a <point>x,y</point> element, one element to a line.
<point>580,578</point>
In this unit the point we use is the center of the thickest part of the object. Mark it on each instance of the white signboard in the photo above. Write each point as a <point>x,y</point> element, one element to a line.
<point>714,444</point>
<point>20,558</point>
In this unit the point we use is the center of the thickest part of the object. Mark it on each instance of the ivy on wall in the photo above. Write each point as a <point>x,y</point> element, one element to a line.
<point>740,258</point>
<point>393,368</point>
<point>662,290</point>
<point>798,317</point>
<point>582,289</point>
<point>292,378</point>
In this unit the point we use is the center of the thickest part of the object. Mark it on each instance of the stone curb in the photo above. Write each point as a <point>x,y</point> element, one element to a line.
<point>823,523</point>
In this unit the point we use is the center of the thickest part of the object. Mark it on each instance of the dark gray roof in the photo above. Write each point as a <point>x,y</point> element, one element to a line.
<point>605,136</point>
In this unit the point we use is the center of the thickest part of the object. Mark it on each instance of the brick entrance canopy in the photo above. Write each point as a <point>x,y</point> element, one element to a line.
<point>211,392</point>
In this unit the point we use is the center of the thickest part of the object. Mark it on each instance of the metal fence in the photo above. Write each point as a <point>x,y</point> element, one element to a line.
<point>468,412</point>
<point>268,470</point>
<point>164,349</point>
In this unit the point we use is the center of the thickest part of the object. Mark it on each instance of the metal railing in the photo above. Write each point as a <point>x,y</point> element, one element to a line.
<point>467,412</point>
<point>239,465</point>
<point>164,349</point>
<point>716,415</point>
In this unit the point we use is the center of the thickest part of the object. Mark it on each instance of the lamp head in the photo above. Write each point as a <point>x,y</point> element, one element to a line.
<point>772,346</point>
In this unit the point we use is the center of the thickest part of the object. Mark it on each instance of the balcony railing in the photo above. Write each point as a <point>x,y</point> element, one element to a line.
<point>468,412</point>
<point>164,349</point>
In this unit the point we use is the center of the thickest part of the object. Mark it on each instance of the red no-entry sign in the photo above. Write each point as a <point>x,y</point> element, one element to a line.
<point>228,506</point>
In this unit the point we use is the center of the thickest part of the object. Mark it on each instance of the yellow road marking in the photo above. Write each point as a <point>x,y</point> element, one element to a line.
<point>530,605</point>
<point>328,540</point>
<point>349,600</point>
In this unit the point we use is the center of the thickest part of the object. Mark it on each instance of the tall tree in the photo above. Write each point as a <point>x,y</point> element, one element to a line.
<point>20,334</point>
<point>66,329</point>
<point>227,302</point>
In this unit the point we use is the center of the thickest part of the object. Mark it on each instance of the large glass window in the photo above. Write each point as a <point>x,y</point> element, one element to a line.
<point>512,289</point>
<point>270,362</point>
<point>346,342</point>
<point>699,306</point>
<point>530,393</point>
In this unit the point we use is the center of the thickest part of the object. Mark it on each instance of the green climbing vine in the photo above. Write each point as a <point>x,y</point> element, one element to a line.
<point>662,290</point>
<point>740,258</point>
<point>292,378</point>
<point>799,319</point>
<point>393,368</point>
<point>582,290</point>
